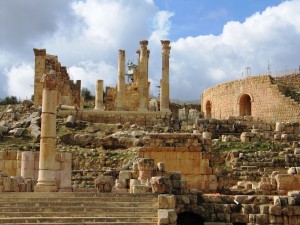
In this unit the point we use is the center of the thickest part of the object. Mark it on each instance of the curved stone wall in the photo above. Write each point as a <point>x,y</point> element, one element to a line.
<point>257,96</point>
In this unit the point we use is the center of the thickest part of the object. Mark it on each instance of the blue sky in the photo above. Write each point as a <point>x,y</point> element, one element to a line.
<point>212,41</point>
<point>204,17</point>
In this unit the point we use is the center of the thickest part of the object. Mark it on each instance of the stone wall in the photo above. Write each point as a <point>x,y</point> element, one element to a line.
<point>10,163</point>
<point>257,96</point>
<point>26,164</point>
<point>68,91</point>
<point>134,117</point>
<point>242,209</point>
<point>187,153</point>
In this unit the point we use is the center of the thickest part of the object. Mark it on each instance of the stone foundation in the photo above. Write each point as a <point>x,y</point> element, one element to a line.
<point>139,118</point>
<point>187,153</point>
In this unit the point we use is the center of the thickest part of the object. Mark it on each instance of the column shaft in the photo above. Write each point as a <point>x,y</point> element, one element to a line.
<point>121,80</point>
<point>143,82</point>
<point>99,95</point>
<point>165,86</point>
<point>47,164</point>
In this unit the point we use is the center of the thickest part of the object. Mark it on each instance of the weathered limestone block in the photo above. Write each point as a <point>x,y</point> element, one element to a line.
<point>125,174</point>
<point>277,137</point>
<point>292,170</point>
<point>166,201</point>
<point>206,135</point>
<point>4,129</point>
<point>275,210</point>
<point>17,132</point>
<point>279,126</point>
<point>297,151</point>
<point>70,121</point>
<point>245,137</point>
<point>167,216</point>
<point>161,166</point>
<point>140,189</point>
<point>239,218</point>
<point>161,185</point>
<point>146,167</point>
<point>104,183</point>
<point>83,139</point>
<point>121,184</point>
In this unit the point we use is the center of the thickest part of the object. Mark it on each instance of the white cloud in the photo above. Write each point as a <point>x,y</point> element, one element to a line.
<point>200,62</point>
<point>161,26</point>
<point>88,38</point>
<point>20,81</point>
<point>88,72</point>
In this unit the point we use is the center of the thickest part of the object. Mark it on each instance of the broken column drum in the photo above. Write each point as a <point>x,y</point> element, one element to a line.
<point>99,95</point>
<point>143,71</point>
<point>146,167</point>
<point>121,80</point>
<point>164,95</point>
<point>47,164</point>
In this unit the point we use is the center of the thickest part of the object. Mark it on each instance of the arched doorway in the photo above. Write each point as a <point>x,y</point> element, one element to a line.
<point>208,110</point>
<point>245,105</point>
<point>189,218</point>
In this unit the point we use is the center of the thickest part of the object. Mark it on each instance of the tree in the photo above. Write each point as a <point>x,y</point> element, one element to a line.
<point>9,100</point>
<point>86,94</point>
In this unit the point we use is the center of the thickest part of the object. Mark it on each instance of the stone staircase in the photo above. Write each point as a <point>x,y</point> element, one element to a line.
<point>78,208</point>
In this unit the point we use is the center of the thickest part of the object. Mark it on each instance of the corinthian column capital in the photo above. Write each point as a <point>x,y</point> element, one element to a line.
<point>49,80</point>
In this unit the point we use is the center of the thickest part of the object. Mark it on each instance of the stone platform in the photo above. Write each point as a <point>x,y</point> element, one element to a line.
<point>78,208</point>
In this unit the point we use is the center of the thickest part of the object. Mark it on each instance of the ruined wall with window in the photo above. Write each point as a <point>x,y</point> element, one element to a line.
<point>259,96</point>
<point>68,91</point>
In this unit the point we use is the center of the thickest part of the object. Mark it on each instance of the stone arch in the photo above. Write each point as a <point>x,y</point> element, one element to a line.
<point>208,109</point>
<point>245,105</point>
<point>189,218</point>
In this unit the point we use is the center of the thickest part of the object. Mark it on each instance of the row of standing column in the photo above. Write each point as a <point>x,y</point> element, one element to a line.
<point>143,77</point>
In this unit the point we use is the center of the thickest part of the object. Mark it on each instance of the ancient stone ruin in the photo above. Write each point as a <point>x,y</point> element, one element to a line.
<point>68,91</point>
<point>126,162</point>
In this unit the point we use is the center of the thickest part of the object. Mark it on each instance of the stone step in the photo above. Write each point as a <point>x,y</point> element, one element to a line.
<point>91,223</point>
<point>83,213</point>
<point>81,199</point>
<point>78,220</point>
<point>99,209</point>
<point>78,208</point>
<point>95,204</point>
<point>72,194</point>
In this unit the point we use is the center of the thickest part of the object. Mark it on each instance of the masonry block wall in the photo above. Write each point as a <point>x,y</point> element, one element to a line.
<point>68,91</point>
<point>257,96</point>
<point>133,117</point>
<point>26,164</point>
<point>131,95</point>
<point>187,153</point>
<point>10,163</point>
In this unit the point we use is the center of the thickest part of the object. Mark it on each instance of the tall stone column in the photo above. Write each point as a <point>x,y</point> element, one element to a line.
<point>99,95</point>
<point>39,70</point>
<point>121,80</point>
<point>165,86</point>
<point>143,82</point>
<point>47,163</point>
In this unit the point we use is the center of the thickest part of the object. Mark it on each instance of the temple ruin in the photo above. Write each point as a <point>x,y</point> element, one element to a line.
<point>69,93</point>
<point>264,97</point>
<point>135,95</point>
<point>127,162</point>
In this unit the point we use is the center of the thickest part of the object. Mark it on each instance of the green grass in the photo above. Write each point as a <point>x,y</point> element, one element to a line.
<point>228,146</point>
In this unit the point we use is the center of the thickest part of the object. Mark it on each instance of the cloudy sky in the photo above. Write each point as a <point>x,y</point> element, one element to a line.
<point>212,41</point>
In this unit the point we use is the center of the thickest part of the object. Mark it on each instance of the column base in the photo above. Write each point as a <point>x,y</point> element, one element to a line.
<point>165,110</point>
<point>45,188</point>
<point>65,189</point>
<point>99,109</point>
<point>142,110</point>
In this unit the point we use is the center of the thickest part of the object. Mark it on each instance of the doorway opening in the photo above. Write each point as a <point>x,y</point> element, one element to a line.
<point>245,105</point>
<point>208,110</point>
<point>189,218</point>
